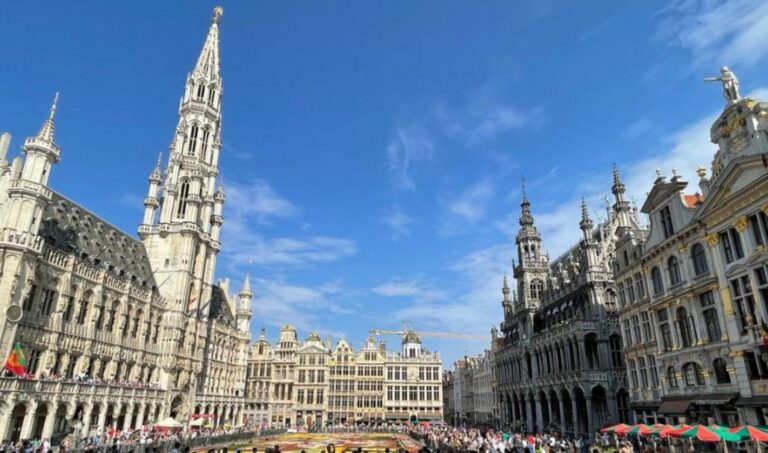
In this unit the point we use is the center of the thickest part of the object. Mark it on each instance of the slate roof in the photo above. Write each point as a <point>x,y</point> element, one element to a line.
<point>72,229</point>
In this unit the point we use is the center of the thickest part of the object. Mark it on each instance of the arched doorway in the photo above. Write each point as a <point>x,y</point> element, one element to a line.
<point>622,401</point>
<point>39,421</point>
<point>17,421</point>
<point>581,408</point>
<point>599,407</point>
<point>568,420</point>
<point>556,417</point>
<point>177,407</point>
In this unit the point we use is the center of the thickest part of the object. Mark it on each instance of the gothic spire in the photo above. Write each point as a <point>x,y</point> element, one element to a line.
<point>505,289</point>
<point>246,286</point>
<point>46,133</point>
<point>586,222</point>
<point>526,219</point>
<point>208,62</point>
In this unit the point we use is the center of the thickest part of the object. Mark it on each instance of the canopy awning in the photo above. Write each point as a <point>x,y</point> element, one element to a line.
<point>677,407</point>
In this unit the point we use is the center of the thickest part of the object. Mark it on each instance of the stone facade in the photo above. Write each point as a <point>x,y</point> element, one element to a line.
<point>118,331</point>
<point>472,383</point>
<point>313,384</point>
<point>559,363</point>
<point>693,289</point>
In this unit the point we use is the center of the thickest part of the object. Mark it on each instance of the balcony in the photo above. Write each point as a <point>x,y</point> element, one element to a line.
<point>30,188</point>
<point>12,238</point>
<point>74,391</point>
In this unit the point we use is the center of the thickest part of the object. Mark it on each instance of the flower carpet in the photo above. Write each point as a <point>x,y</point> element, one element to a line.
<point>344,442</point>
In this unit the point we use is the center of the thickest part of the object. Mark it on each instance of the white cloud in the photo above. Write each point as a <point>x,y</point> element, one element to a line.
<point>497,120</point>
<point>479,121</point>
<point>471,205</point>
<point>399,222</point>
<point>277,303</point>
<point>415,289</point>
<point>257,200</point>
<point>409,146</point>
<point>474,310</point>
<point>248,210</point>
<point>716,32</point>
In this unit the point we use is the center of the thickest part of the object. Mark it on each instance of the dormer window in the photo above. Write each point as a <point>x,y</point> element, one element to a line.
<point>666,222</point>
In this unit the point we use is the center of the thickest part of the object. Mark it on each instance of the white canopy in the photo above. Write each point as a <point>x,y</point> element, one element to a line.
<point>169,422</point>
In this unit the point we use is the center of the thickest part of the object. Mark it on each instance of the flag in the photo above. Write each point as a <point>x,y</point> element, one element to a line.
<point>191,302</point>
<point>16,363</point>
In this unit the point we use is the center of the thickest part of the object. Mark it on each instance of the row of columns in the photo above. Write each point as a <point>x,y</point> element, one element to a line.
<point>135,414</point>
<point>583,416</point>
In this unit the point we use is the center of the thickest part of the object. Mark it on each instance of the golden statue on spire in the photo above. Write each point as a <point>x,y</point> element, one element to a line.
<point>217,13</point>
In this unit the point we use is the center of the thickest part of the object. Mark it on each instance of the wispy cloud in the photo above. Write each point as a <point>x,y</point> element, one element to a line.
<point>482,120</point>
<point>409,146</point>
<point>638,129</point>
<point>476,308</point>
<point>465,209</point>
<point>258,200</point>
<point>415,289</point>
<point>277,302</point>
<point>399,222</point>
<point>715,32</point>
<point>248,212</point>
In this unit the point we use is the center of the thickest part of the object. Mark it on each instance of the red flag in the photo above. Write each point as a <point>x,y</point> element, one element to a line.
<point>16,362</point>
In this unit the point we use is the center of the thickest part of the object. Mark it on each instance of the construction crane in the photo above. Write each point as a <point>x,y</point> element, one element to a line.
<point>451,335</point>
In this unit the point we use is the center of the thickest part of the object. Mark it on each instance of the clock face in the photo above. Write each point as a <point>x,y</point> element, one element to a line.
<point>13,313</point>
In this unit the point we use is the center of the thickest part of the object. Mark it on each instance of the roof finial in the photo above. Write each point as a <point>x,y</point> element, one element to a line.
<point>159,158</point>
<point>53,106</point>
<point>522,182</point>
<point>218,11</point>
<point>47,131</point>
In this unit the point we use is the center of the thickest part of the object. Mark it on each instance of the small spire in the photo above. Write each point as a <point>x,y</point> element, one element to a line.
<point>586,223</point>
<point>526,219</point>
<point>47,131</point>
<point>246,291</point>
<point>263,333</point>
<point>505,288</point>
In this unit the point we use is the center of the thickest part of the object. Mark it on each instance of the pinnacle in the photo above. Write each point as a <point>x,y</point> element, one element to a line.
<point>47,130</point>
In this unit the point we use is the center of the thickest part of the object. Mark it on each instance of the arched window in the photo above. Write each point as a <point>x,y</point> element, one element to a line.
<point>211,95</point>
<point>699,259</point>
<point>684,327</point>
<point>693,374</point>
<point>192,144</point>
<point>673,266</point>
<point>536,288</point>
<point>204,147</point>
<point>658,284</point>
<point>201,92</point>
<point>672,377</point>
<point>181,210</point>
<point>721,371</point>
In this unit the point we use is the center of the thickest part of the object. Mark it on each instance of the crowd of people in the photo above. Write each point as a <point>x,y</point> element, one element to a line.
<point>435,438</point>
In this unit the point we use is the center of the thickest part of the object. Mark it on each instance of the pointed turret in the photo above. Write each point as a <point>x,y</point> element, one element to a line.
<point>208,62</point>
<point>244,311</point>
<point>505,290</point>
<point>586,222</point>
<point>151,202</point>
<point>47,131</point>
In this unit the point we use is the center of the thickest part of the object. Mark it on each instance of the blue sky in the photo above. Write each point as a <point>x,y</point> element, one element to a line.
<point>373,151</point>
